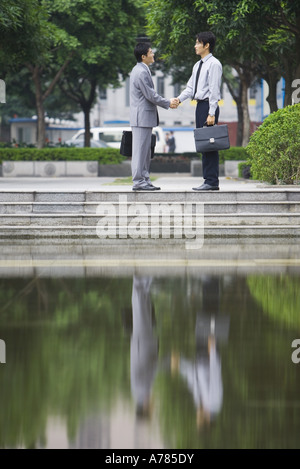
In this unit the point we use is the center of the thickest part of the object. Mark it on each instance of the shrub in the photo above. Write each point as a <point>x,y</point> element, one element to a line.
<point>234,154</point>
<point>102,155</point>
<point>274,148</point>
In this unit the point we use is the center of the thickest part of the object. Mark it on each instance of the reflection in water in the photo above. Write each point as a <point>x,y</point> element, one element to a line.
<point>144,346</point>
<point>203,374</point>
<point>83,372</point>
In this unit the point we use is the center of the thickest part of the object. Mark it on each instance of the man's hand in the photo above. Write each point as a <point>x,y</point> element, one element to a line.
<point>210,120</point>
<point>174,103</point>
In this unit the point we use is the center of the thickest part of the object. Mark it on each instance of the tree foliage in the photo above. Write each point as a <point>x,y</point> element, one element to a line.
<point>256,38</point>
<point>97,36</point>
<point>107,34</point>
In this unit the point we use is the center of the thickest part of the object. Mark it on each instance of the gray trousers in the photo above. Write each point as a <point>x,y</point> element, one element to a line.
<point>141,155</point>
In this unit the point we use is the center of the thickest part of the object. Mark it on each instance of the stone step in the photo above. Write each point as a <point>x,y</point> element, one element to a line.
<point>89,232</point>
<point>152,218</point>
<point>78,214</point>
<point>91,207</point>
<point>267,195</point>
<point>210,206</point>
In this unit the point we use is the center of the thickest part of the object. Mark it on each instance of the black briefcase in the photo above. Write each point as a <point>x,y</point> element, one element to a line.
<point>126,143</point>
<point>211,138</point>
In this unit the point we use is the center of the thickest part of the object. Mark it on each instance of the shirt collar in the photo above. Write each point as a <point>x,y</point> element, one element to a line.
<point>207,57</point>
<point>144,65</point>
<point>149,71</point>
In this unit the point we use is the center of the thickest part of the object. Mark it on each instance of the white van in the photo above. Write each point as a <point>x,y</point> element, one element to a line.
<point>112,136</point>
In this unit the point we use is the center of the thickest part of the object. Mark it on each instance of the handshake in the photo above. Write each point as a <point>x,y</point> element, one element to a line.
<point>174,103</point>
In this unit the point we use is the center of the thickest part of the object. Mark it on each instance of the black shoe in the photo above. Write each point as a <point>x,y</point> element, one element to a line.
<point>206,187</point>
<point>155,187</point>
<point>144,188</point>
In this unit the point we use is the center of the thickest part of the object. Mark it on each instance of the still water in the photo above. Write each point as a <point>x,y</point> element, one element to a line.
<point>160,357</point>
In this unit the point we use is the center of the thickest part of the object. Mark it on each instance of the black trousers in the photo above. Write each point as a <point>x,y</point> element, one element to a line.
<point>210,160</point>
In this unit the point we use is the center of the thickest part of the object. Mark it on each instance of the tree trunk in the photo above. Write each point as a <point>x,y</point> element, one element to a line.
<point>86,107</point>
<point>272,79</point>
<point>237,97</point>
<point>240,126</point>
<point>41,127</point>
<point>288,76</point>
<point>245,108</point>
<point>40,96</point>
<point>87,125</point>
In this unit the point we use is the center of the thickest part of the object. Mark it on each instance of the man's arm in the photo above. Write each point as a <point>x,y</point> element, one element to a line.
<point>149,92</point>
<point>189,89</point>
<point>214,83</point>
<point>152,96</point>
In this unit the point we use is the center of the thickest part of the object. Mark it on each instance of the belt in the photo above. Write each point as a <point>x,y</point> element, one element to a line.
<point>202,100</point>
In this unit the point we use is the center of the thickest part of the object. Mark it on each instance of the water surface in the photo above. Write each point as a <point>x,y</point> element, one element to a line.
<point>178,358</point>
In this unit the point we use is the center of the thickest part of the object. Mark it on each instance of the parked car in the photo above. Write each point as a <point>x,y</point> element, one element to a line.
<point>79,142</point>
<point>112,136</point>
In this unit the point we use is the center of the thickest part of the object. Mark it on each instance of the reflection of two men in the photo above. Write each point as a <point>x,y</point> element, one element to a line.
<point>144,346</point>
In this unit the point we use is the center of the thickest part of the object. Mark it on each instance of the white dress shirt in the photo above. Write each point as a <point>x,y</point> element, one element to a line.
<point>209,83</point>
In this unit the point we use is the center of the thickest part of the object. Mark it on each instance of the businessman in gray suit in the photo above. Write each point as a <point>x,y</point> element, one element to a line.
<point>144,116</point>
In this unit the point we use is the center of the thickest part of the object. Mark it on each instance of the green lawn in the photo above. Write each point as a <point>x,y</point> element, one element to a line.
<point>124,181</point>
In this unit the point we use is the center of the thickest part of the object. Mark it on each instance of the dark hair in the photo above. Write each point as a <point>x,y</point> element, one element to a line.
<point>207,37</point>
<point>141,49</point>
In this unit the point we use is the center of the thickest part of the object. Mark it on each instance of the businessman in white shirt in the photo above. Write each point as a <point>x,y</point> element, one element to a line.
<point>204,86</point>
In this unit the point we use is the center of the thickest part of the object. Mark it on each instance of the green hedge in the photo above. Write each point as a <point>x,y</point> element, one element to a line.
<point>102,155</point>
<point>274,148</point>
<point>233,154</point>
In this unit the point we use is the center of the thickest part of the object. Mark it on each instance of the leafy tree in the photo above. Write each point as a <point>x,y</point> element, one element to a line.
<point>237,28</point>
<point>257,39</point>
<point>106,32</point>
<point>34,41</point>
<point>11,22</point>
<point>97,36</point>
<point>269,33</point>
<point>22,103</point>
<point>176,36</point>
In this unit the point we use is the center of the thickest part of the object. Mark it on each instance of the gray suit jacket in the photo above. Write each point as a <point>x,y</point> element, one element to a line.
<point>144,99</point>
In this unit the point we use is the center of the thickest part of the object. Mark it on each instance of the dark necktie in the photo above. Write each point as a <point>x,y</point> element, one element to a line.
<point>197,79</point>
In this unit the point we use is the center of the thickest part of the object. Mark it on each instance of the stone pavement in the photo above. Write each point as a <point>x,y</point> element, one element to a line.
<point>73,207</point>
<point>175,182</point>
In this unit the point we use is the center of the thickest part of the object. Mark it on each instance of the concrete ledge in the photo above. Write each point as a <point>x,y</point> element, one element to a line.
<point>232,168</point>
<point>196,169</point>
<point>82,168</point>
<point>49,169</point>
<point>115,170</point>
<point>55,169</point>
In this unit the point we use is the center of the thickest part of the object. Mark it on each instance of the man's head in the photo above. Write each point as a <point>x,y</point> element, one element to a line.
<point>144,53</point>
<point>207,41</point>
